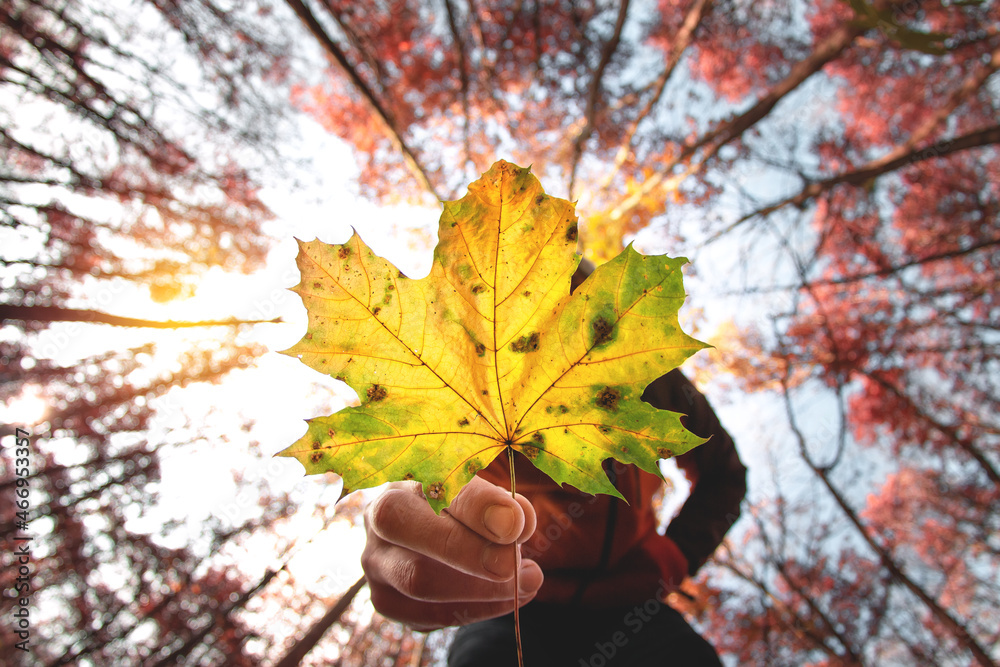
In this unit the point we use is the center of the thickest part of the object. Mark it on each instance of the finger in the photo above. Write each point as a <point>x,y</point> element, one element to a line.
<point>472,505</point>
<point>402,518</point>
<point>530,520</point>
<point>425,616</point>
<point>421,578</point>
<point>489,511</point>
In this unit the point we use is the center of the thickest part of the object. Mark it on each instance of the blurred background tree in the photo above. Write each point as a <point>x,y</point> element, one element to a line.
<point>134,138</point>
<point>830,167</point>
<point>833,167</point>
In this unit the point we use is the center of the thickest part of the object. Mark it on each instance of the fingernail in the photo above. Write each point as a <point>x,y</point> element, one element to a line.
<point>499,520</point>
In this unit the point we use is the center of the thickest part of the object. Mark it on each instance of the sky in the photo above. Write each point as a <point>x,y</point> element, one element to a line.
<point>279,393</point>
<point>215,455</point>
<point>213,452</point>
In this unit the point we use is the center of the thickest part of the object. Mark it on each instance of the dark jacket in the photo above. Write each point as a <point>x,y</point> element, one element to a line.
<point>599,551</point>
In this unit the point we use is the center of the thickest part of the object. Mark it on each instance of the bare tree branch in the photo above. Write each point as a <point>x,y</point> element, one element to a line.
<point>964,444</point>
<point>942,615</point>
<point>95,643</point>
<point>590,110</point>
<point>477,26</point>
<point>50,314</point>
<point>682,40</point>
<point>536,25</point>
<point>826,51</point>
<point>789,616</point>
<point>381,111</point>
<point>895,159</point>
<point>463,73</point>
<point>302,647</point>
<point>877,273</point>
<point>286,556</point>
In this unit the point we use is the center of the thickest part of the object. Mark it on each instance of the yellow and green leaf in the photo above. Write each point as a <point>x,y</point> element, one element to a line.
<point>490,350</point>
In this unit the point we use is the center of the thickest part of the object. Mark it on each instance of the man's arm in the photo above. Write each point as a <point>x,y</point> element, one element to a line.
<point>717,475</point>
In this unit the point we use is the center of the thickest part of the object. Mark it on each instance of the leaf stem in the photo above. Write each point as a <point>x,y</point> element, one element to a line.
<point>517,567</point>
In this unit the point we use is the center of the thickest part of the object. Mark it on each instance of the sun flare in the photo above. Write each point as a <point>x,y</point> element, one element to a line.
<point>29,408</point>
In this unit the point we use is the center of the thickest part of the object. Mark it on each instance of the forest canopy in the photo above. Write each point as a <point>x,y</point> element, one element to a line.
<point>830,167</point>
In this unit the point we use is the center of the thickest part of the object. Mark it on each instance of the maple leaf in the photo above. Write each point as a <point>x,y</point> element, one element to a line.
<point>490,350</point>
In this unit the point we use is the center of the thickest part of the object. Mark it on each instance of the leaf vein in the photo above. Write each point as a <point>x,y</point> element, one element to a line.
<point>405,346</point>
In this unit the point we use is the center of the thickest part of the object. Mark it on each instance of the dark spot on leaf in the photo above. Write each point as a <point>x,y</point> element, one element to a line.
<point>563,409</point>
<point>317,444</point>
<point>572,232</point>
<point>604,429</point>
<point>376,310</point>
<point>539,199</point>
<point>330,432</point>
<point>454,224</point>
<point>478,288</point>
<point>664,453</point>
<point>472,468</point>
<point>316,457</point>
<point>530,451</point>
<point>392,287</point>
<point>318,285</point>
<point>527,343</point>
<point>388,299</point>
<point>376,392</point>
<point>539,438</point>
<point>526,293</point>
<point>408,476</point>
<point>344,252</point>
<point>624,450</point>
<point>435,490</point>
<point>485,393</point>
<point>463,422</point>
<point>480,350</point>
<point>602,331</point>
<point>400,274</point>
<point>308,336</point>
<point>341,378</point>
<point>608,399</point>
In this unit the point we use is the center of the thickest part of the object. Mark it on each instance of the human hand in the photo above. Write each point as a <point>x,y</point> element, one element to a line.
<point>430,571</point>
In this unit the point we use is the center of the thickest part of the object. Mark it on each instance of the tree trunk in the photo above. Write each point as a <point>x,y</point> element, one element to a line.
<point>49,314</point>
<point>302,647</point>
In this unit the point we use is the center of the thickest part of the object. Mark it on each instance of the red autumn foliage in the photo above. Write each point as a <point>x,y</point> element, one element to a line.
<point>849,149</point>
<point>880,119</point>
